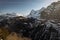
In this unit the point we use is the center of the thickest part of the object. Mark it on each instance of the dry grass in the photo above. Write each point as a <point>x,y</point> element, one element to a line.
<point>15,37</point>
<point>4,34</point>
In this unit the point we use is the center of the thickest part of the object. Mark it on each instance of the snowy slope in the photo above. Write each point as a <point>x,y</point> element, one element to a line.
<point>35,14</point>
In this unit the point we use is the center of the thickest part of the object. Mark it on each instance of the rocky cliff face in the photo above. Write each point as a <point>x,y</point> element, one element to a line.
<point>52,11</point>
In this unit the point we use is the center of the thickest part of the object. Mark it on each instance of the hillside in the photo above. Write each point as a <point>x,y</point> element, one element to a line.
<point>28,29</point>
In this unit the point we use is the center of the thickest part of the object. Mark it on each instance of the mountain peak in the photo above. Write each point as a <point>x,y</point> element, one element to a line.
<point>35,14</point>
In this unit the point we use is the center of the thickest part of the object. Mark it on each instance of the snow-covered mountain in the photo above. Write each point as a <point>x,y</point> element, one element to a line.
<point>7,16</point>
<point>35,14</point>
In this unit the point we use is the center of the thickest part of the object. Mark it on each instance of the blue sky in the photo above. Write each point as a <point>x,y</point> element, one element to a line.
<point>22,6</point>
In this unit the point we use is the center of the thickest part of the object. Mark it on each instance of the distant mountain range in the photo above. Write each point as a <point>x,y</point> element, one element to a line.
<point>51,12</point>
<point>7,16</point>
